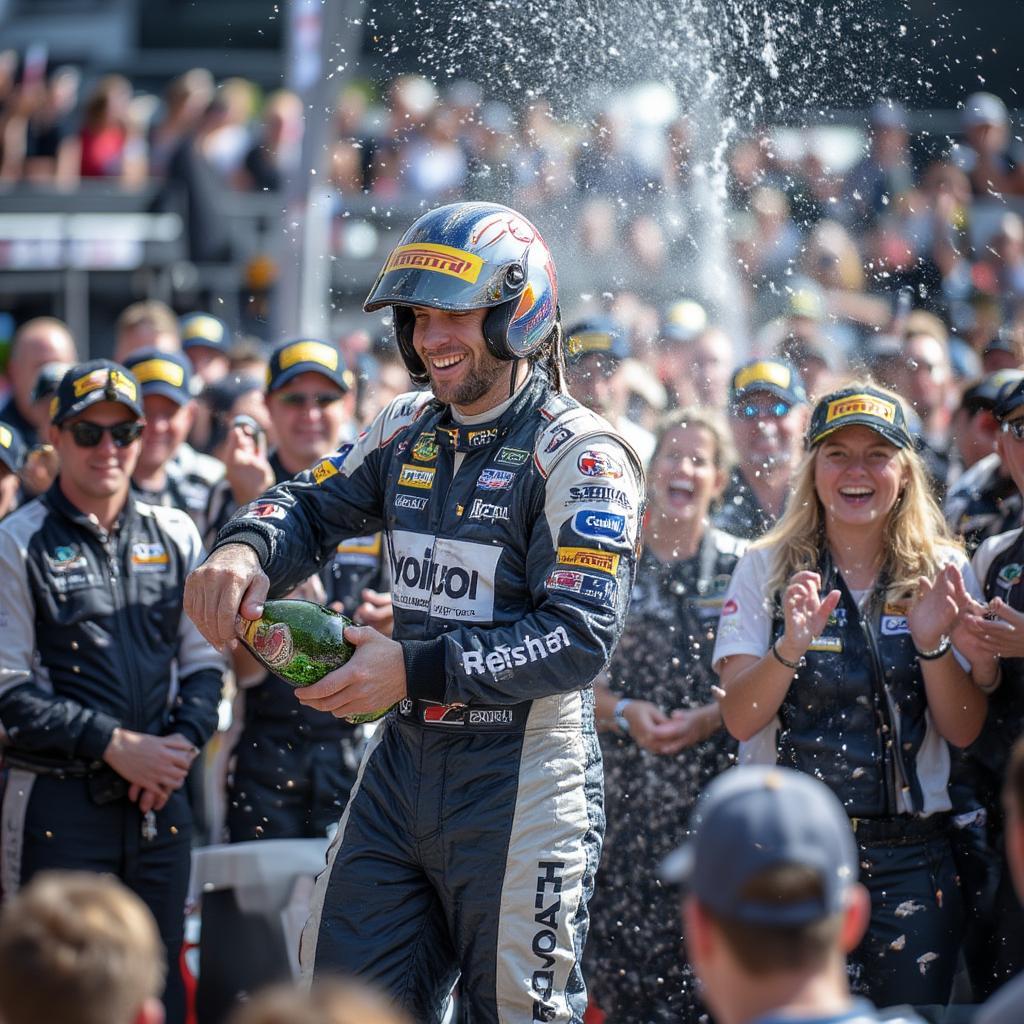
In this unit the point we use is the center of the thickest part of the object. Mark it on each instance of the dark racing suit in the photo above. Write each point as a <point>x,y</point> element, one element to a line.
<point>473,833</point>
<point>95,638</point>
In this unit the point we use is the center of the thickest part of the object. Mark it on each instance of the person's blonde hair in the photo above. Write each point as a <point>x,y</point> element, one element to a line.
<point>915,534</point>
<point>330,1001</point>
<point>78,948</point>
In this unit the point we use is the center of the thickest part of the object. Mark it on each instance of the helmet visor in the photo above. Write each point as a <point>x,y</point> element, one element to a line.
<point>443,277</point>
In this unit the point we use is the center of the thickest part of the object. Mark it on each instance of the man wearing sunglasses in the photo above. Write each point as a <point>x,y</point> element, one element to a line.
<point>999,630</point>
<point>294,767</point>
<point>107,691</point>
<point>768,415</point>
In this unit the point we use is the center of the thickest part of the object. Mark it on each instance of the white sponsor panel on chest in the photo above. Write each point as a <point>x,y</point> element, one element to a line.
<point>451,579</point>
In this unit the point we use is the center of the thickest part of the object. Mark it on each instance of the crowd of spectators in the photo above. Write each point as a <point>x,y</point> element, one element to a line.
<point>629,186</point>
<point>905,263</point>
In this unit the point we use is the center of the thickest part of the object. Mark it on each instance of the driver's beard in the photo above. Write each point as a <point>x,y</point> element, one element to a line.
<point>482,376</point>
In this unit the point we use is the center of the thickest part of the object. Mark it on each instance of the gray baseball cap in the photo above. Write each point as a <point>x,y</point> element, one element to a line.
<point>751,819</point>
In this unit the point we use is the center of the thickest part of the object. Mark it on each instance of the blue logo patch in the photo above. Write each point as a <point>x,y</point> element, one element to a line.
<point>591,523</point>
<point>495,479</point>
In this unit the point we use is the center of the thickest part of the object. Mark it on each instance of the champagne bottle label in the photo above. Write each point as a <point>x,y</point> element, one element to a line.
<point>272,642</point>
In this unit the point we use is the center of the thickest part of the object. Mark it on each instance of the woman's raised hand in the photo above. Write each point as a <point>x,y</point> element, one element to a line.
<point>806,613</point>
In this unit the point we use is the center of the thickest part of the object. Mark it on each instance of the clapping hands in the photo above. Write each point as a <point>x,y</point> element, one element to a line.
<point>806,614</point>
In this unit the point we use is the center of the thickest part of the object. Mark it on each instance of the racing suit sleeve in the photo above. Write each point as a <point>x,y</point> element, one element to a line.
<point>581,562</point>
<point>200,667</point>
<point>296,525</point>
<point>32,715</point>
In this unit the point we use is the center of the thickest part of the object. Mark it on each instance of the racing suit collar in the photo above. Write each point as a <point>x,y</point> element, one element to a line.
<point>470,437</point>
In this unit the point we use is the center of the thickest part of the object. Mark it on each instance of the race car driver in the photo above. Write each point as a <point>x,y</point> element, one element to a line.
<point>473,833</point>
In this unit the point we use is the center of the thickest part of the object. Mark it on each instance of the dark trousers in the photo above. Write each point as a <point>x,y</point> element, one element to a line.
<point>909,954</point>
<point>65,828</point>
<point>470,853</point>
<point>287,785</point>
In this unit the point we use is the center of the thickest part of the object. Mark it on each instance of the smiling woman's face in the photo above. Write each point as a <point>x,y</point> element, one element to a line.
<point>858,476</point>
<point>683,475</point>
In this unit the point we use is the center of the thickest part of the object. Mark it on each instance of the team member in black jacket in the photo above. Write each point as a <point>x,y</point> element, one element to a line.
<point>834,654</point>
<point>107,691</point>
<point>294,766</point>
<point>999,566</point>
<point>511,516</point>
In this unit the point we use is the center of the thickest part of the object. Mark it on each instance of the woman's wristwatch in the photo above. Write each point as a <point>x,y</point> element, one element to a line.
<point>619,714</point>
<point>936,652</point>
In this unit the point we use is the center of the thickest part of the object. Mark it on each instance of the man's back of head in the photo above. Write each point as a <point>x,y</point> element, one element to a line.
<point>79,948</point>
<point>328,1002</point>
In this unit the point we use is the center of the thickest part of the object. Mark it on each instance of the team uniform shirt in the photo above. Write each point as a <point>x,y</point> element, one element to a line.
<point>741,514</point>
<point>983,503</point>
<point>849,757</point>
<point>191,476</point>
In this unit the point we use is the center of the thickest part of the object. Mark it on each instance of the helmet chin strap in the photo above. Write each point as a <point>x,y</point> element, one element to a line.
<point>512,379</point>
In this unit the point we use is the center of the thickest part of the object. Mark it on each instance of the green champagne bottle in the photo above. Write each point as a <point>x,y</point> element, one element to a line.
<point>301,642</point>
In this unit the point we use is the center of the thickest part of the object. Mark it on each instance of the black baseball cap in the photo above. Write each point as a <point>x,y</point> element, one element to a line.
<point>99,380</point>
<point>12,448</point>
<point>985,393</point>
<point>754,818</point>
<point>864,406</point>
<point>49,378</point>
<point>162,373</point>
<point>776,376</point>
<point>307,355</point>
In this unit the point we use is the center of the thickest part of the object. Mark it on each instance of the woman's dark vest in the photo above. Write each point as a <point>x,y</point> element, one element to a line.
<point>854,715</point>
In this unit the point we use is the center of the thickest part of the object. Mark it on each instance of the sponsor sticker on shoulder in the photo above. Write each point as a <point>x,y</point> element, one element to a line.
<point>592,523</point>
<point>421,477</point>
<point>495,479</point>
<point>267,510</point>
<point>589,558</point>
<point>557,439</point>
<point>331,466</point>
<point>591,493</point>
<point>512,456</point>
<point>594,462</point>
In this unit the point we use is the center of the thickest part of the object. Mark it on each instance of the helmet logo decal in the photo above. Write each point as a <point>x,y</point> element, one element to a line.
<point>441,259</point>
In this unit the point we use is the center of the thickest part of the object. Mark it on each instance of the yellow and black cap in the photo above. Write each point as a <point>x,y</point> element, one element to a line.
<point>776,376</point>
<point>162,373</point>
<point>307,355</point>
<point>99,380</point>
<point>203,330</point>
<point>860,406</point>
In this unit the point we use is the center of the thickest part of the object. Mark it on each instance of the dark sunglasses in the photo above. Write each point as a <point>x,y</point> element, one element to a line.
<point>298,400</point>
<point>1014,427</point>
<point>750,411</point>
<point>88,435</point>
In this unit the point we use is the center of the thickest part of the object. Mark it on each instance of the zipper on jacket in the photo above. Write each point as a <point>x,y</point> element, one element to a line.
<point>118,582</point>
<point>888,732</point>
